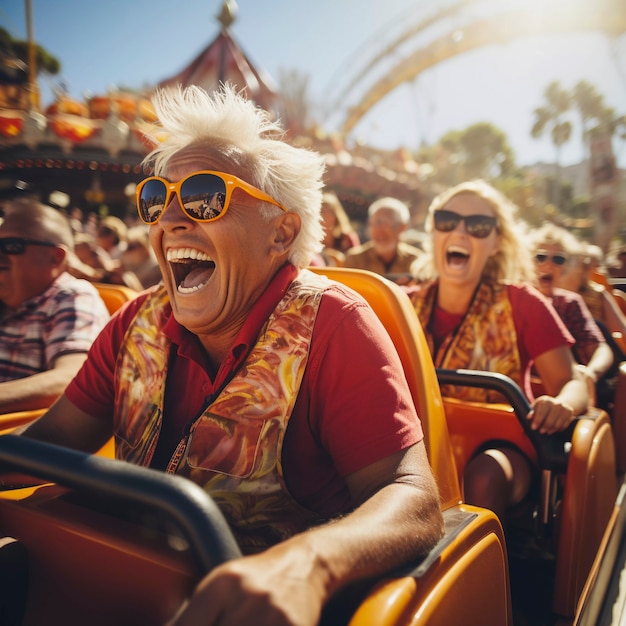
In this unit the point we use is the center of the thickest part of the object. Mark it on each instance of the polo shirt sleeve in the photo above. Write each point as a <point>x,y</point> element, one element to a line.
<point>582,327</point>
<point>361,408</point>
<point>538,326</point>
<point>92,389</point>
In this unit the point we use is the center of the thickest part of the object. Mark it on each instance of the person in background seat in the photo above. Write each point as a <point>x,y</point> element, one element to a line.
<point>479,311</point>
<point>48,318</point>
<point>385,253</point>
<point>554,251</point>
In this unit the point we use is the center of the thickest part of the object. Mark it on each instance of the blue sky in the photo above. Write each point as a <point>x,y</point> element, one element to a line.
<point>140,42</point>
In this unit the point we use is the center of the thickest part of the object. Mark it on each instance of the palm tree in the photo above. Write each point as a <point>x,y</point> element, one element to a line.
<point>553,115</point>
<point>489,154</point>
<point>590,105</point>
<point>482,150</point>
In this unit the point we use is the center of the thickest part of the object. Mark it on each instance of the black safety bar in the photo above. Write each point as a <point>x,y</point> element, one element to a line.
<point>196,514</point>
<point>552,450</point>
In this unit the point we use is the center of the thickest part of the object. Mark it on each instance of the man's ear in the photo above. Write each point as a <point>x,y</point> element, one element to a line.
<point>59,256</point>
<point>287,229</point>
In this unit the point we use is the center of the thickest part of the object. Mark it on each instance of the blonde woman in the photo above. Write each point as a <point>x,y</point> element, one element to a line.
<point>479,311</point>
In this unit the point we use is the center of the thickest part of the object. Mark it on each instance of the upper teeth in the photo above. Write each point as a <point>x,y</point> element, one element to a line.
<point>457,250</point>
<point>182,254</point>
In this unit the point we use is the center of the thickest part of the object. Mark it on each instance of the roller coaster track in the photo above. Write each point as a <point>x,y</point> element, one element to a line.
<point>459,28</point>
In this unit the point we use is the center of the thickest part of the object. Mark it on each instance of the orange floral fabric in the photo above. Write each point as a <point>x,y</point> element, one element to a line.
<point>485,340</point>
<point>233,449</point>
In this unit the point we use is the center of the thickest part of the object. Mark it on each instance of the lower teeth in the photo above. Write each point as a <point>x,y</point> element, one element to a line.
<point>182,289</point>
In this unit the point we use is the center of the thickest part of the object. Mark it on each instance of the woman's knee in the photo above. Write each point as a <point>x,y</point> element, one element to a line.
<point>497,478</point>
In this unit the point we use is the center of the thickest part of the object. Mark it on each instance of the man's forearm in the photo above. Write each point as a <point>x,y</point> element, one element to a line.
<point>397,524</point>
<point>40,390</point>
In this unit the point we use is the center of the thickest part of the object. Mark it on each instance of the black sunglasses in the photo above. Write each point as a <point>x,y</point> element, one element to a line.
<point>17,245</point>
<point>479,226</point>
<point>557,259</point>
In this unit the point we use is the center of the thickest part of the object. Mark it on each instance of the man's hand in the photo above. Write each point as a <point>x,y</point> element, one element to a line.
<point>397,518</point>
<point>272,588</point>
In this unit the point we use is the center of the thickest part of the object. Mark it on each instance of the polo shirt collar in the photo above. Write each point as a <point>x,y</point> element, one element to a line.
<point>190,347</point>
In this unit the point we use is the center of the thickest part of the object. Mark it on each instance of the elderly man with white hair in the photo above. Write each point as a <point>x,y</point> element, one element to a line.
<point>276,390</point>
<point>385,253</point>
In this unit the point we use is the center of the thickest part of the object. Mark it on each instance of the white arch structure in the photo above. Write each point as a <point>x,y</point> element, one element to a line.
<point>466,25</point>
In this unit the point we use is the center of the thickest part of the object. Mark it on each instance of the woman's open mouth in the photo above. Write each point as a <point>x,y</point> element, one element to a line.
<point>191,268</point>
<point>457,257</point>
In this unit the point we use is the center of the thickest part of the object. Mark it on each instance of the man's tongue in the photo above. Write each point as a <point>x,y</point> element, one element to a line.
<point>197,277</point>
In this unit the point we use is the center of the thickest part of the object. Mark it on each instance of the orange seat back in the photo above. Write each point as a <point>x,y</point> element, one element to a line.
<point>620,297</point>
<point>114,296</point>
<point>471,424</point>
<point>395,311</point>
<point>600,278</point>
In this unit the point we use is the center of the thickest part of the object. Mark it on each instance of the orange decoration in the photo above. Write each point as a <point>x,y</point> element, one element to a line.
<point>146,110</point>
<point>11,123</point>
<point>125,105</point>
<point>73,128</point>
<point>66,105</point>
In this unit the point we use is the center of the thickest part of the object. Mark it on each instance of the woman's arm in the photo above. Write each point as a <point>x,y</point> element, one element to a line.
<point>566,392</point>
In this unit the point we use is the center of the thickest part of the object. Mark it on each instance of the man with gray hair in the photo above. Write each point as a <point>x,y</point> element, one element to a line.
<point>276,390</point>
<point>385,253</point>
<point>48,318</point>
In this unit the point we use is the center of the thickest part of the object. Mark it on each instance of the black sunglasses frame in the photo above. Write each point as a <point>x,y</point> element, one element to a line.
<point>555,259</point>
<point>478,226</point>
<point>12,246</point>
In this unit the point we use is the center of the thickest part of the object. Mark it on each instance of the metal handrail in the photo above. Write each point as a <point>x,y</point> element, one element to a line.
<point>197,515</point>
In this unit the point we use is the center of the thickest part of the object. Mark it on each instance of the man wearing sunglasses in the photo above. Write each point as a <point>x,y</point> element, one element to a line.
<point>48,319</point>
<point>278,391</point>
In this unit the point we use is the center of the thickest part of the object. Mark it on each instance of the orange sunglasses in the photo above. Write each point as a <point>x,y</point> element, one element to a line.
<point>204,196</point>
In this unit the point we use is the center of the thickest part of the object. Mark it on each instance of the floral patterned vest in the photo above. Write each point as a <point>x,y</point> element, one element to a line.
<point>485,340</point>
<point>233,449</point>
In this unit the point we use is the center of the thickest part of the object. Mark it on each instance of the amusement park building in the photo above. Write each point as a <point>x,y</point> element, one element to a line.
<point>91,151</point>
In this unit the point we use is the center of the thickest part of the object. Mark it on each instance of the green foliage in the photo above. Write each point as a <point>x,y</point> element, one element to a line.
<point>45,62</point>
<point>480,151</point>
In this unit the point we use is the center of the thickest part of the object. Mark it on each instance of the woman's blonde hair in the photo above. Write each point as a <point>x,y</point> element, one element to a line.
<point>513,260</point>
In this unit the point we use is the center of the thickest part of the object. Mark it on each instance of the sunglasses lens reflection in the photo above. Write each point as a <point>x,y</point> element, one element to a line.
<point>203,196</point>
<point>479,226</point>
<point>556,259</point>
<point>152,200</point>
<point>446,221</point>
<point>10,246</point>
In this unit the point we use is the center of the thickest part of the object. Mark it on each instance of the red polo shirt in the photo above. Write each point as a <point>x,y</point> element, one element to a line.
<point>354,405</point>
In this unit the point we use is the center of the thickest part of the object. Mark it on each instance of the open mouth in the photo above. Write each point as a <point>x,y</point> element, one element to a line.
<point>191,268</point>
<point>457,257</point>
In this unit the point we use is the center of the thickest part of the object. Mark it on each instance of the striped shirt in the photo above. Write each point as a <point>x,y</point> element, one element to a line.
<point>66,318</point>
